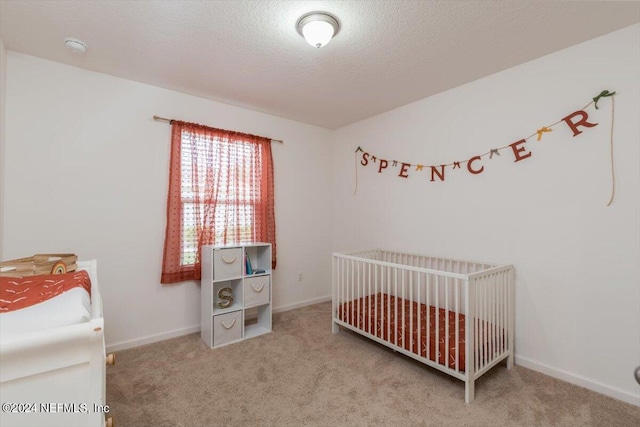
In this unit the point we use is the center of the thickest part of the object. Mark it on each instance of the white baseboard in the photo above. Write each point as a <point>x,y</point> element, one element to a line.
<point>137,342</point>
<point>301,304</point>
<point>579,380</point>
<point>149,339</point>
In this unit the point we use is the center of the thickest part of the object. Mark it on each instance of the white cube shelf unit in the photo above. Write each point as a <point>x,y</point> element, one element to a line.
<point>226,267</point>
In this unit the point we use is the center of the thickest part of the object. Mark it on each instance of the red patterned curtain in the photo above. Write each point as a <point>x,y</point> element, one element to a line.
<point>220,192</point>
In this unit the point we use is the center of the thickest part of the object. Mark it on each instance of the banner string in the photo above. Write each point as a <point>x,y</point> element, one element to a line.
<point>355,190</point>
<point>613,175</point>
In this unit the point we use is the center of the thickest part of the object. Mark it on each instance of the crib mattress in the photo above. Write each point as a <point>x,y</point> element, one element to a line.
<point>402,329</point>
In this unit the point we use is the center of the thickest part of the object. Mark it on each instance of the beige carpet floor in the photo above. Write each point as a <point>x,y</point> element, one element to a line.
<point>302,375</point>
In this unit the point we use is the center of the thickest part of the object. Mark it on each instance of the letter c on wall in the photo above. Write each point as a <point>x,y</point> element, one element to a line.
<point>470,165</point>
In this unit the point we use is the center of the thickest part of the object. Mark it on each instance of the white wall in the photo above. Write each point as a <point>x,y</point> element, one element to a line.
<point>87,172</point>
<point>3,89</point>
<point>577,261</point>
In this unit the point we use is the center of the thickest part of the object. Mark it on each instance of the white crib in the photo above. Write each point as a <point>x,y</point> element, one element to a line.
<point>386,295</point>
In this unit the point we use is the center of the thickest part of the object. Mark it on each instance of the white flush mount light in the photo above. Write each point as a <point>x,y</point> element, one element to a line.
<point>318,28</point>
<point>75,45</point>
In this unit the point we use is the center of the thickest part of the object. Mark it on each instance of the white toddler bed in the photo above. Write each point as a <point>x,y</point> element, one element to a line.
<point>53,360</point>
<point>435,310</point>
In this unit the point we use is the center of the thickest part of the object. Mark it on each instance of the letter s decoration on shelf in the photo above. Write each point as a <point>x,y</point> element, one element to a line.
<point>225,294</point>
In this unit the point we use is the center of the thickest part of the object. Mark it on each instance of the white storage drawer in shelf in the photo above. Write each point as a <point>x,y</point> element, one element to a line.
<point>227,328</point>
<point>227,263</point>
<point>257,290</point>
<point>235,293</point>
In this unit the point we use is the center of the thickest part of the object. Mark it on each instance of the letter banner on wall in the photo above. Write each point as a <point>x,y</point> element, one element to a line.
<point>577,122</point>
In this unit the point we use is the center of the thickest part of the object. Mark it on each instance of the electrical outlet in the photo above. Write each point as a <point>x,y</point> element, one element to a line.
<point>299,276</point>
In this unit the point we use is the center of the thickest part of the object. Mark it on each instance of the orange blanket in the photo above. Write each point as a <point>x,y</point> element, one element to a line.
<point>22,292</point>
<point>361,313</point>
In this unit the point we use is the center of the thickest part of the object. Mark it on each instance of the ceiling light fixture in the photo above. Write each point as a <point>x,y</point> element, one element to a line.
<point>318,28</point>
<point>75,45</point>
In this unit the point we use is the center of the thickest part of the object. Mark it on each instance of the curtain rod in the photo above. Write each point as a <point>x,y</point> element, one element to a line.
<point>162,119</point>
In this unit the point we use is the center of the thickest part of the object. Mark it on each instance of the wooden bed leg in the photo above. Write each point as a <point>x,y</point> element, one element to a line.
<point>469,391</point>
<point>110,422</point>
<point>335,328</point>
<point>510,361</point>
<point>111,359</point>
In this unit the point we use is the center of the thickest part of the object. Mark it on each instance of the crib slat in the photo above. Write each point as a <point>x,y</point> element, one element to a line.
<point>446,321</point>
<point>476,330</point>
<point>334,288</point>
<point>484,322</point>
<point>375,312</point>
<point>511,304</point>
<point>493,317</point>
<point>343,278</point>
<point>388,316</point>
<point>353,294</point>
<point>367,285</point>
<point>357,295</point>
<point>486,318</point>
<point>483,308</point>
<point>340,303</point>
<point>404,335</point>
<point>491,321</point>
<point>480,296</point>
<point>437,331</point>
<point>502,307</point>
<point>360,291</point>
<point>419,315</point>
<point>411,310</point>
<point>505,326</point>
<point>457,324</point>
<point>428,316</point>
<point>395,302</point>
<point>487,322</point>
<point>470,339</point>
<point>341,287</point>
<point>498,309</point>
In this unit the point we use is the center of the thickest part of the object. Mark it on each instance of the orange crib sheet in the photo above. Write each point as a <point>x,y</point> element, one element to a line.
<point>361,313</point>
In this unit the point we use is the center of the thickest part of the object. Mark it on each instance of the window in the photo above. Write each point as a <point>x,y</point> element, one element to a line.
<point>220,192</point>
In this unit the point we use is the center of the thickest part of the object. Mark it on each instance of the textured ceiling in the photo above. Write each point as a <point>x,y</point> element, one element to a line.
<point>248,53</point>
